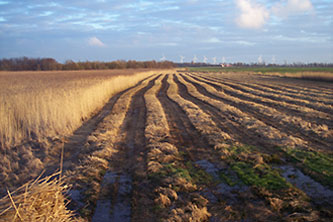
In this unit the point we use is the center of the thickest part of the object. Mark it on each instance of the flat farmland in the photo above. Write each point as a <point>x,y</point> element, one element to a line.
<point>212,147</point>
<point>192,146</point>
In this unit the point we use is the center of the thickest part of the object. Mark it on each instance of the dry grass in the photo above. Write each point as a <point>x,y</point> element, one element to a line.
<point>46,104</point>
<point>39,200</point>
<point>39,107</point>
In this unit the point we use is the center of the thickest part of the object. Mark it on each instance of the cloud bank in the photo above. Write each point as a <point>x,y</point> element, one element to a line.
<point>145,30</point>
<point>254,15</point>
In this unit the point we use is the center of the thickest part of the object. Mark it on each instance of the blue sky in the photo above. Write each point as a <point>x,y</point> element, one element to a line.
<point>213,30</point>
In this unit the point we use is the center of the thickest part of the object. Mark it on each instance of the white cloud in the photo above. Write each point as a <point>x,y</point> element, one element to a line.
<point>94,41</point>
<point>287,7</point>
<point>252,15</point>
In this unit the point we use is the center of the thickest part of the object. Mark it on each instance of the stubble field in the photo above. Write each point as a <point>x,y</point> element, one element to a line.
<point>191,146</point>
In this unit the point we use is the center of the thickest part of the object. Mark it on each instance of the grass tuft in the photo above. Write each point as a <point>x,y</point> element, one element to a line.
<point>39,200</point>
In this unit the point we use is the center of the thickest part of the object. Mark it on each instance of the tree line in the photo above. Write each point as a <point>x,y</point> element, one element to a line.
<point>44,64</point>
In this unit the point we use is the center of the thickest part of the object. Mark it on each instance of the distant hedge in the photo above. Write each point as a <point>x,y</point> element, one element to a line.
<point>35,64</point>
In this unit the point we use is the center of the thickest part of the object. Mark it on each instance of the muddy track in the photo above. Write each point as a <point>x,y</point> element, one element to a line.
<point>283,109</point>
<point>130,151</point>
<point>225,122</point>
<point>313,141</point>
<point>134,144</point>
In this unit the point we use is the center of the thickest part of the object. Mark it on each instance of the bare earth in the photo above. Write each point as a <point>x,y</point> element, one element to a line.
<point>207,147</point>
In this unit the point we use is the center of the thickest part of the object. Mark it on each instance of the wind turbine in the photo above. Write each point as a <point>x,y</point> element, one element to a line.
<point>223,59</point>
<point>260,60</point>
<point>205,59</point>
<point>195,59</point>
<point>214,60</point>
<point>182,58</point>
<point>163,58</point>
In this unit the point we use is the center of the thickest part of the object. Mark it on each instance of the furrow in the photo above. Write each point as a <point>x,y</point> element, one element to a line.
<point>203,162</point>
<point>226,120</point>
<point>173,192</point>
<point>313,97</point>
<point>292,85</point>
<point>245,121</point>
<point>318,136</point>
<point>182,131</point>
<point>317,108</point>
<point>276,83</point>
<point>280,96</point>
<point>200,119</point>
<point>281,90</point>
<point>296,111</point>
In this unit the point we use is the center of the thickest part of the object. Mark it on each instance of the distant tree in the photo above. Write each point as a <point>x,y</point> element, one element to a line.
<point>25,63</point>
<point>70,65</point>
<point>49,64</point>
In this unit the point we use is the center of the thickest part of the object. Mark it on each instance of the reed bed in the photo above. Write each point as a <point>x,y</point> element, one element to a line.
<point>47,104</point>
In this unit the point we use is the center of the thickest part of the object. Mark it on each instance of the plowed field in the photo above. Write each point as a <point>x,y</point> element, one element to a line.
<point>207,147</point>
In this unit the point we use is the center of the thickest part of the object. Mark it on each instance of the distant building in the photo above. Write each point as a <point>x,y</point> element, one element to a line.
<point>225,65</point>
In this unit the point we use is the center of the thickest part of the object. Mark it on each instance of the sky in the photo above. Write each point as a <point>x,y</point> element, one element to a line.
<point>212,31</point>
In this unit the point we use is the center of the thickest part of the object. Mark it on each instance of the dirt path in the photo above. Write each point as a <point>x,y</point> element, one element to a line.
<point>130,151</point>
